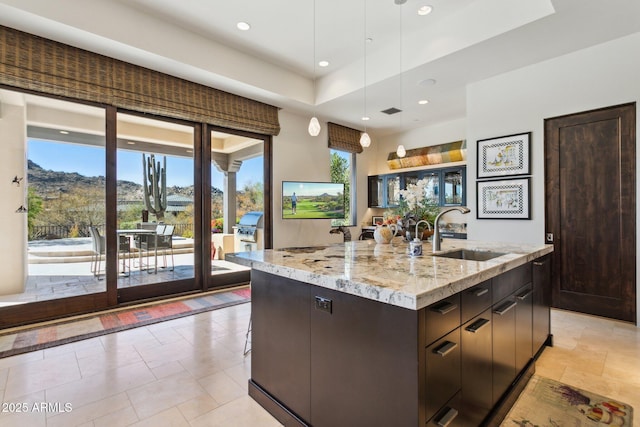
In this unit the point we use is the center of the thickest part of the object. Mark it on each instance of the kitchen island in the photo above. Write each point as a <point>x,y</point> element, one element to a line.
<point>362,334</point>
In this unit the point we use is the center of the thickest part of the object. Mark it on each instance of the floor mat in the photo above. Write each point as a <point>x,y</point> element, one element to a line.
<point>545,402</point>
<point>63,332</point>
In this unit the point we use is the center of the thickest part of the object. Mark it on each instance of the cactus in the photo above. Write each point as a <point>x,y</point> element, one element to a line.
<point>154,183</point>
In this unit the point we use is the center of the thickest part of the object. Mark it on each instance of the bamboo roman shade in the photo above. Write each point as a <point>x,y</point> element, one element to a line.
<point>344,138</point>
<point>34,63</point>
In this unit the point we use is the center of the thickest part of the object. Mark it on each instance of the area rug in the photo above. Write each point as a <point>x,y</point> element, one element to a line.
<point>545,402</point>
<point>66,331</point>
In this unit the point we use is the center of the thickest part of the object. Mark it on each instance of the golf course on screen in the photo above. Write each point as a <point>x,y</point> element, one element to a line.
<point>312,200</point>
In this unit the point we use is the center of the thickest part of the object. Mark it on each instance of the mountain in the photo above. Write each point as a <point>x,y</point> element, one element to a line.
<point>50,184</point>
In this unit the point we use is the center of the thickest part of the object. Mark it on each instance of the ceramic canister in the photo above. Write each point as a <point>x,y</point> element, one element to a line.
<point>415,247</point>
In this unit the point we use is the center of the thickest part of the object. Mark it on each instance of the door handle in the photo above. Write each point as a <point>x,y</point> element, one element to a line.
<point>445,308</point>
<point>502,310</point>
<point>480,292</point>
<point>525,295</point>
<point>445,348</point>
<point>477,325</point>
<point>448,417</point>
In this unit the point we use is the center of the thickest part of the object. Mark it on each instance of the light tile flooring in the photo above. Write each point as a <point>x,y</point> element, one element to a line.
<point>191,372</point>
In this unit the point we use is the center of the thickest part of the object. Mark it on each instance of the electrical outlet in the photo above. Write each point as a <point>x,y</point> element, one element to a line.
<point>323,304</point>
<point>549,237</point>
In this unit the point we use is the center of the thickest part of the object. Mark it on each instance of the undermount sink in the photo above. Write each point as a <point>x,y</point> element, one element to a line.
<point>470,255</point>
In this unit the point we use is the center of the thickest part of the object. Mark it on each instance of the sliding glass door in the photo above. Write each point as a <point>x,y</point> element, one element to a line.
<point>106,207</point>
<point>156,190</point>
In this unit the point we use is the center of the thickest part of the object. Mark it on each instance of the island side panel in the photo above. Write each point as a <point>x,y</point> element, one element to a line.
<point>280,341</point>
<point>365,368</point>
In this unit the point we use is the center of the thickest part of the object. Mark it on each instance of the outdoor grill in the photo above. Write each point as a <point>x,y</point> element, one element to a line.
<point>248,232</point>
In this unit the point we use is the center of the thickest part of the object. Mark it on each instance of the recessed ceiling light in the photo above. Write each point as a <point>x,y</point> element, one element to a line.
<point>427,82</point>
<point>423,101</point>
<point>64,132</point>
<point>365,118</point>
<point>243,26</point>
<point>323,63</point>
<point>369,39</point>
<point>425,10</point>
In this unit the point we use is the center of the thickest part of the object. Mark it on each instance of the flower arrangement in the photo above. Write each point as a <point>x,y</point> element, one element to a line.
<point>414,206</point>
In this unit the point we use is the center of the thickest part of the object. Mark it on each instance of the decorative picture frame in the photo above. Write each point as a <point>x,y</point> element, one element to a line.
<point>504,199</point>
<point>377,220</point>
<point>504,156</point>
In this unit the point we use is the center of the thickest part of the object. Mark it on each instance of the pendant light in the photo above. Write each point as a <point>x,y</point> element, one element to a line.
<point>365,139</point>
<point>314,124</point>
<point>401,151</point>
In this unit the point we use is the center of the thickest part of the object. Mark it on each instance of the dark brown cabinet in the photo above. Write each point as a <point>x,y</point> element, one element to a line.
<point>280,336</point>
<point>477,368</point>
<point>445,186</point>
<point>541,302</point>
<point>326,358</point>
<point>504,346</point>
<point>442,372</point>
<point>524,327</point>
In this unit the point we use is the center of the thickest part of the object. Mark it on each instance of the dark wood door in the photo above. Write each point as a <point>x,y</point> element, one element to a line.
<point>591,210</point>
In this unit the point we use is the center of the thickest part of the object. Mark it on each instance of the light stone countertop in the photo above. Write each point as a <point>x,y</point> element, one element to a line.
<point>386,273</point>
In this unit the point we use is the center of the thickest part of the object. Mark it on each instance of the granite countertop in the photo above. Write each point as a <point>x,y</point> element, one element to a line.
<point>386,273</point>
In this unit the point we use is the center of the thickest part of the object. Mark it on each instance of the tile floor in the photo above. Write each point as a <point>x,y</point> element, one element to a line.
<point>191,372</point>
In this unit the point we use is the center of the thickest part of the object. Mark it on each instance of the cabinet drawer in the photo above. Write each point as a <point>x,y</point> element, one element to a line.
<point>442,372</point>
<point>442,317</point>
<point>475,300</point>
<point>450,415</point>
<point>508,282</point>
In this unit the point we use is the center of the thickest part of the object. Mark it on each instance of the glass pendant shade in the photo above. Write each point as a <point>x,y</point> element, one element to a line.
<point>365,140</point>
<point>401,152</point>
<point>314,126</point>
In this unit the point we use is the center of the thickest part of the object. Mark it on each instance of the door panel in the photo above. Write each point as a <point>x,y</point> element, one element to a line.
<point>590,209</point>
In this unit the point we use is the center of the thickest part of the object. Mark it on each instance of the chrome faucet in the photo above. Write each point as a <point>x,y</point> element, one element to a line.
<point>436,225</point>
<point>420,222</point>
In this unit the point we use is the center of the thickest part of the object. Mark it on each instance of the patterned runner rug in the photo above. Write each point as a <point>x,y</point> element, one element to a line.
<point>545,402</point>
<point>65,331</point>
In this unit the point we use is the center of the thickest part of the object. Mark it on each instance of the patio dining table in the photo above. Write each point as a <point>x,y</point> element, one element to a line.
<point>142,231</point>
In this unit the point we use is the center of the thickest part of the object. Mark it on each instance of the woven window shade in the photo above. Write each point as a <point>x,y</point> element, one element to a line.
<point>344,138</point>
<point>34,63</point>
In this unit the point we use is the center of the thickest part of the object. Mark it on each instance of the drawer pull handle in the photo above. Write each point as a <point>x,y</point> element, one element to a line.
<point>446,348</point>
<point>480,292</point>
<point>502,310</point>
<point>445,308</point>
<point>539,263</point>
<point>525,295</point>
<point>477,325</point>
<point>448,417</point>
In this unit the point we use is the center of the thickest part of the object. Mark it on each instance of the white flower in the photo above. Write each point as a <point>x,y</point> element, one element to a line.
<point>415,193</point>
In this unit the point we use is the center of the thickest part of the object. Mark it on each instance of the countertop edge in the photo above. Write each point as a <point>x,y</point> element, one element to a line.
<point>398,298</point>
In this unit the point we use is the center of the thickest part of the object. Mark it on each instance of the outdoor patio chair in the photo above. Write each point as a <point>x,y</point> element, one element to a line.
<point>124,251</point>
<point>147,242</point>
<point>165,243</point>
<point>98,248</point>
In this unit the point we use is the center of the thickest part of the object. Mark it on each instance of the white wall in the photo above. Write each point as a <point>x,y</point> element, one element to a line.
<point>600,76</point>
<point>13,227</point>
<point>519,101</point>
<point>297,156</point>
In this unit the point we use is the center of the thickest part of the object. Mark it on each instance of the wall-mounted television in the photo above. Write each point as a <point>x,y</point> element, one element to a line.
<point>312,200</point>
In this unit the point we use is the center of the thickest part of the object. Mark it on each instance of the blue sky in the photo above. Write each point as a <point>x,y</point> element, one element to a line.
<point>89,161</point>
<point>310,188</point>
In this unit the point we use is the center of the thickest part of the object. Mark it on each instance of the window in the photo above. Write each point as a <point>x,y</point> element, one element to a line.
<point>343,171</point>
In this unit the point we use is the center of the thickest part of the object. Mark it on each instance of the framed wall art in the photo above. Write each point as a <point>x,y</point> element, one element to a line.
<point>377,220</point>
<point>504,156</point>
<point>504,199</point>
